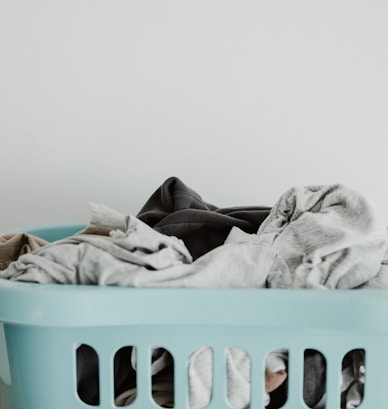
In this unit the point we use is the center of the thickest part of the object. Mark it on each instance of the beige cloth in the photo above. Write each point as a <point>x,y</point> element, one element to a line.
<point>14,245</point>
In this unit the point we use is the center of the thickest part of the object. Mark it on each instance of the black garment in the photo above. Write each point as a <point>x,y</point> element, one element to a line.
<point>176,210</point>
<point>314,381</point>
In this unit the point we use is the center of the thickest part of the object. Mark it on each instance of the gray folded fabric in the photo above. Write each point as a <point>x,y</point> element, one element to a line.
<point>90,258</point>
<point>381,279</point>
<point>177,210</point>
<point>328,236</point>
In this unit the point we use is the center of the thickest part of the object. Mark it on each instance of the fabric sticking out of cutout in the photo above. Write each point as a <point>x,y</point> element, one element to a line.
<point>162,363</point>
<point>200,377</point>
<point>238,378</point>
<point>353,379</point>
<point>125,383</point>
<point>276,378</point>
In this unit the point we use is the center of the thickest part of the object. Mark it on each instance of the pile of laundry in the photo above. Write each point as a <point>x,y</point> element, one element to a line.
<point>318,237</point>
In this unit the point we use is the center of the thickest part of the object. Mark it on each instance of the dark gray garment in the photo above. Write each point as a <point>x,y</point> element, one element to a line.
<point>177,210</point>
<point>314,381</point>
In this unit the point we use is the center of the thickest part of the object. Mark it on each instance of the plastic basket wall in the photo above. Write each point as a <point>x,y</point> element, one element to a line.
<point>43,324</point>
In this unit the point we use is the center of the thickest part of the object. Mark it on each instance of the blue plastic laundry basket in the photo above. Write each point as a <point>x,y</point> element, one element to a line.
<point>42,325</point>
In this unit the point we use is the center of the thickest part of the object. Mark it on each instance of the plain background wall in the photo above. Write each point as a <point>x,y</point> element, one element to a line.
<point>242,99</point>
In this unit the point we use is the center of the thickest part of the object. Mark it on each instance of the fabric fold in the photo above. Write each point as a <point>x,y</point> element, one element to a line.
<point>177,210</point>
<point>14,245</point>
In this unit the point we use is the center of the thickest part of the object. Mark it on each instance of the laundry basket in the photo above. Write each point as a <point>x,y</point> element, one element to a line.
<point>42,326</point>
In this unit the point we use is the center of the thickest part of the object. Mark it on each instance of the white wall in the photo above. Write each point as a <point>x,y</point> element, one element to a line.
<point>102,100</point>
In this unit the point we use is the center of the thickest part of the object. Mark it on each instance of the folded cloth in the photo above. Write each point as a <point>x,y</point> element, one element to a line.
<point>14,245</point>
<point>90,258</point>
<point>177,210</point>
<point>381,279</point>
<point>328,236</point>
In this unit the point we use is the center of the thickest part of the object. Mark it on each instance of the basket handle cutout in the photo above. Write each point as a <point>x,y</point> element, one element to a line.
<point>353,378</point>
<point>162,380</point>
<point>314,378</point>
<point>200,373</point>
<point>87,366</point>
<point>125,379</point>
<point>238,381</point>
<point>276,378</point>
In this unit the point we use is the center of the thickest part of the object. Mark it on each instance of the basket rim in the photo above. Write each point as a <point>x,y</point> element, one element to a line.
<point>59,305</point>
